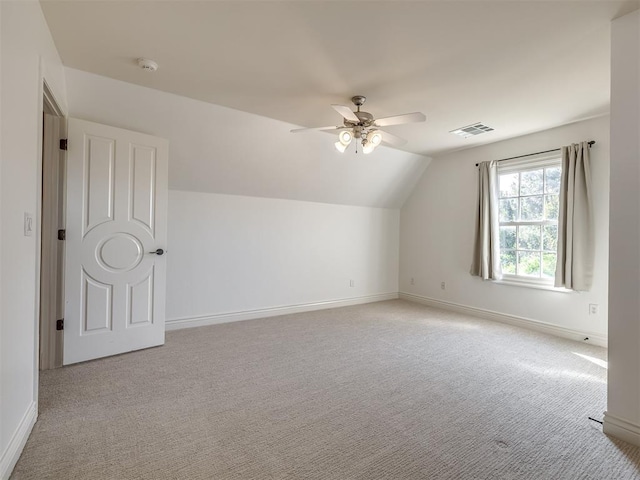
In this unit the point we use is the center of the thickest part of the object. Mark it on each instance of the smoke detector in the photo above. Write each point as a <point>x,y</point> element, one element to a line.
<point>148,65</point>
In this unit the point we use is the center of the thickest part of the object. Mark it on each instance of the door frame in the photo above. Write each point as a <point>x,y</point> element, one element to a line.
<point>50,295</point>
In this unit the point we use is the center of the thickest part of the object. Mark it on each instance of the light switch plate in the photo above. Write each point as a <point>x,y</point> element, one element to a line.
<point>28,224</point>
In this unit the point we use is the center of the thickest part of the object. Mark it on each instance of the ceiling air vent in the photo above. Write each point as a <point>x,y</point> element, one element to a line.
<point>471,130</point>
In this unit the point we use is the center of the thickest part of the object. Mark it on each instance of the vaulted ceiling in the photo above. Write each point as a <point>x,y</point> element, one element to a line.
<point>220,150</point>
<point>517,66</point>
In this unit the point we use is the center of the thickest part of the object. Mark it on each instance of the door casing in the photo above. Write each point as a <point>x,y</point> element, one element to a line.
<point>50,219</point>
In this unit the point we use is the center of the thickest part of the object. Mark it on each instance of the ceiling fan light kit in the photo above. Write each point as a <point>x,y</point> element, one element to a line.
<point>344,139</point>
<point>365,128</point>
<point>375,137</point>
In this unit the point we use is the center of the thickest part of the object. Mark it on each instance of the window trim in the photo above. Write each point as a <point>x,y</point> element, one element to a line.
<point>515,281</point>
<point>524,165</point>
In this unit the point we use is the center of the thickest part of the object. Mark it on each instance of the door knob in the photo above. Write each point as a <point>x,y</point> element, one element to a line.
<point>158,252</point>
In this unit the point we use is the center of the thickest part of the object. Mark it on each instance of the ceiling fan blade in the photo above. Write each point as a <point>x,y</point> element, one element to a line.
<point>399,119</point>
<point>392,139</point>
<point>346,112</point>
<point>300,130</point>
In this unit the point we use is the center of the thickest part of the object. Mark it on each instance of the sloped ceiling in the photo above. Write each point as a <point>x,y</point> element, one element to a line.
<point>220,150</point>
<point>518,66</point>
<point>236,76</point>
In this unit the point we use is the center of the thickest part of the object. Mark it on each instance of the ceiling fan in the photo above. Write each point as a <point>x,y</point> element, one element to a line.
<point>366,129</point>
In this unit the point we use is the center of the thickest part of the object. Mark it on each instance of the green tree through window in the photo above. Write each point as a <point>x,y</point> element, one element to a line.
<point>529,203</point>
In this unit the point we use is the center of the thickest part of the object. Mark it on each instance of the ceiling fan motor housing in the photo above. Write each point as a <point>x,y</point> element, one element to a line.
<point>365,117</point>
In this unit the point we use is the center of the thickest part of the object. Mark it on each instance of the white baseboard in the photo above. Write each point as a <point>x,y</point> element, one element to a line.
<point>578,335</point>
<point>12,453</point>
<point>622,429</point>
<point>214,319</point>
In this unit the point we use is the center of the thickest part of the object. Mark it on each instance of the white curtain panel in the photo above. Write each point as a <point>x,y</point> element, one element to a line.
<point>486,250</point>
<point>574,269</point>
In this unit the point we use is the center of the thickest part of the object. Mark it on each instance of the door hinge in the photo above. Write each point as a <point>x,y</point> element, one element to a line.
<point>63,144</point>
<point>62,234</point>
<point>60,324</point>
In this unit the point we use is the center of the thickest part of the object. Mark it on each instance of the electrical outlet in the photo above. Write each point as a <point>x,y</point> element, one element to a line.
<point>443,285</point>
<point>352,283</point>
<point>413,282</point>
<point>593,309</point>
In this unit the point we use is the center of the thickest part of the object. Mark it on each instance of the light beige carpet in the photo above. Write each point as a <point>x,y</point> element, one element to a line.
<point>391,390</point>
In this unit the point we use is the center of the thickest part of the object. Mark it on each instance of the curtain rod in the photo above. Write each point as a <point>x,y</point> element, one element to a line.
<point>592,142</point>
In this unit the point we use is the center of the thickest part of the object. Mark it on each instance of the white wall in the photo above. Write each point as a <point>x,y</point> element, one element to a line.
<point>437,230</point>
<point>233,253</point>
<point>4,464</point>
<point>27,53</point>
<point>220,150</point>
<point>623,404</point>
<point>230,253</point>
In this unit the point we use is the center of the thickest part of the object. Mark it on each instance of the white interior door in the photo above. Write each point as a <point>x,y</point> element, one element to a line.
<point>116,235</point>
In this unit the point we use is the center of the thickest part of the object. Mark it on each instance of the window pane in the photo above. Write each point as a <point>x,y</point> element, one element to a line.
<point>529,264</point>
<point>551,206</point>
<point>529,197</point>
<point>531,182</point>
<point>508,262</point>
<point>531,208</point>
<point>550,238</point>
<point>507,238</point>
<point>509,210</point>
<point>509,185</point>
<point>529,237</point>
<point>548,265</point>
<point>552,179</point>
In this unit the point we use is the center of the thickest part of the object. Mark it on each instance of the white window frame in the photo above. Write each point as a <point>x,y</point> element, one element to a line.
<point>522,165</point>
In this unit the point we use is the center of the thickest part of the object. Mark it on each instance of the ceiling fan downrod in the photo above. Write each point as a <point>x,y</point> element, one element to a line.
<point>358,100</point>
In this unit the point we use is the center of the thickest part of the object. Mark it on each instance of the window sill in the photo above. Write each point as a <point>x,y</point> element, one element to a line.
<point>528,284</point>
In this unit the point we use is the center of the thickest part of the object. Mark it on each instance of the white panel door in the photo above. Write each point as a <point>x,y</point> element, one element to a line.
<point>116,239</point>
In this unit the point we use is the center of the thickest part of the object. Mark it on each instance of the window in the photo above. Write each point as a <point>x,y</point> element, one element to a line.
<point>529,204</point>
